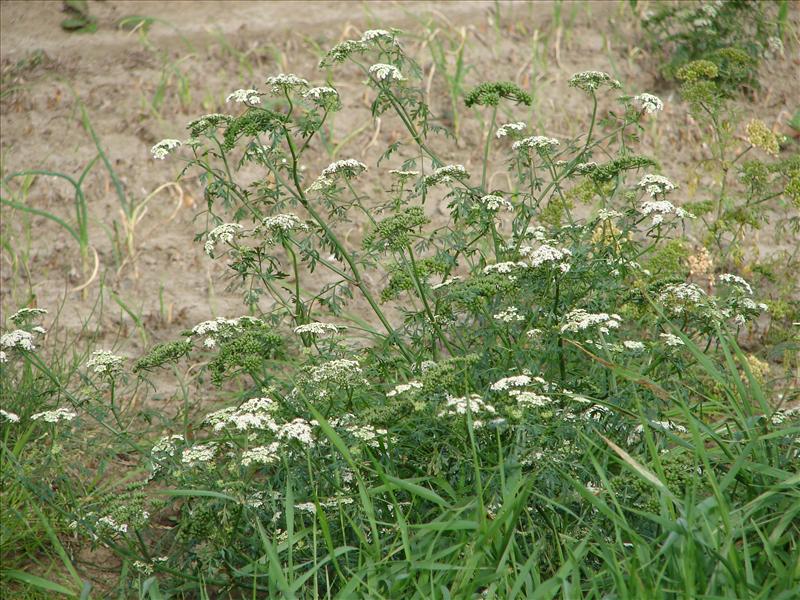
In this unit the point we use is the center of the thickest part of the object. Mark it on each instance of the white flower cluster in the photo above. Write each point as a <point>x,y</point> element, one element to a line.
<point>283,223</point>
<point>504,268</point>
<point>384,72</point>
<point>540,143</point>
<point>347,168</point>
<point>262,455</point>
<point>226,233</point>
<point>447,174</point>
<point>732,279</point>
<point>324,96</point>
<point>403,175</point>
<point>111,524</point>
<point>513,381</point>
<point>605,214</point>
<point>677,296</point>
<point>660,208</point>
<point>671,340</point>
<point>220,327</point>
<point>255,413</point>
<point>26,314</point>
<point>648,103</point>
<point>547,255</point>
<point>589,81</point>
<point>248,96</point>
<point>199,455</point>
<point>634,346</point>
<point>165,447</point>
<point>656,185</point>
<point>164,147</point>
<point>55,416</point>
<point>464,404</point>
<point>340,371</point>
<point>370,35</point>
<point>17,339</point>
<point>365,433</point>
<point>403,388</point>
<point>509,315</point>
<point>493,202</point>
<point>285,82</point>
<point>580,320</point>
<point>510,129</point>
<point>9,417</point>
<point>103,362</point>
<point>298,429</point>
<point>319,329</point>
<point>528,399</point>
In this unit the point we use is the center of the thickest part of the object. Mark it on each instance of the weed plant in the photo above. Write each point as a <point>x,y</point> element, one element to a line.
<point>521,401</point>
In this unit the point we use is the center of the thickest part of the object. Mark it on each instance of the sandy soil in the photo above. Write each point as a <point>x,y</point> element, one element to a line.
<point>47,74</point>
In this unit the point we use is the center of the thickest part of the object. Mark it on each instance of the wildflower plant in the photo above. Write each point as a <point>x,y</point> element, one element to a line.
<point>490,403</point>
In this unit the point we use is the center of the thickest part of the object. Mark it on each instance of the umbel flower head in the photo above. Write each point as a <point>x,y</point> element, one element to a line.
<point>589,81</point>
<point>540,143</point>
<point>384,72</point>
<point>325,97</point>
<point>247,96</point>
<point>27,314</point>
<point>222,233</point>
<point>103,362</point>
<point>648,103</point>
<point>490,94</point>
<point>510,129</point>
<point>446,174</point>
<point>285,83</point>
<point>656,185</point>
<point>164,147</point>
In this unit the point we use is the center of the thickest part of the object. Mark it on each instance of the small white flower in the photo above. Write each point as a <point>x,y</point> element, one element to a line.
<point>403,388</point>
<point>319,329</point>
<point>384,72</point>
<point>528,399</point>
<point>111,524</point>
<point>283,82</point>
<point>283,223</point>
<point>199,454</point>
<point>504,267</point>
<point>513,381</point>
<point>509,315</point>
<point>373,34</point>
<point>308,507</point>
<point>347,168</point>
<point>460,406</point>
<point>298,429</point>
<point>656,185</point>
<point>255,413</point>
<point>247,96</point>
<point>8,416</point>
<point>732,279</point>
<point>547,254</point>
<point>222,233</point>
<point>540,143</point>
<point>447,174</point>
<point>579,320</point>
<point>493,202</point>
<point>648,103</point>
<point>55,416</point>
<point>671,340</point>
<point>164,147</point>
<point>588,81</point>
<point>26,314</point>
<point>19,339</point>
<point>510,129</point>
<point>660,208</point>
<point>262,455</point>
<point>103,362</point>
<point>403,175</point>
<point>633,345</point>
<point>323,96</point>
